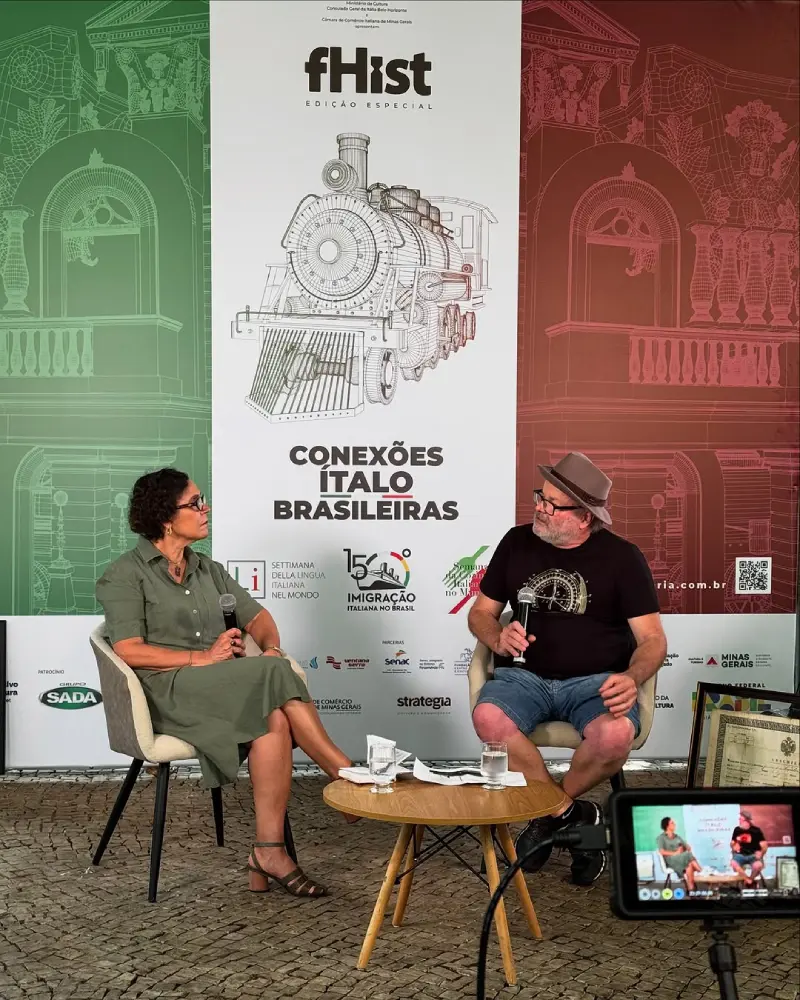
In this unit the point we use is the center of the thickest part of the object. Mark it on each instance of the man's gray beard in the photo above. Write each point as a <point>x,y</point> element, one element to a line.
<point>548,535</point>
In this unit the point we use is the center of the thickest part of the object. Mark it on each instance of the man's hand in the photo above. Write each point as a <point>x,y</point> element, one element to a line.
<point>619,694</point>
<point>512,641</point>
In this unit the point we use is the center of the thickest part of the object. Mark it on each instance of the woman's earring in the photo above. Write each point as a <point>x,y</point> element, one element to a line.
<point>169,529</point>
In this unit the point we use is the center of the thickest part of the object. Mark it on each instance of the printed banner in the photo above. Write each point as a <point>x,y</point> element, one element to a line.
<point>364,340</point>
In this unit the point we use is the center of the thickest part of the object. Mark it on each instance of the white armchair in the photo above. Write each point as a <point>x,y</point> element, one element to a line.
<point>130,732</point>
<point>559,734</point>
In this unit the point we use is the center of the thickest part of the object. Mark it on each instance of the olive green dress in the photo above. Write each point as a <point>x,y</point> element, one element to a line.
<point>219,708</point>
<point>677,862</point>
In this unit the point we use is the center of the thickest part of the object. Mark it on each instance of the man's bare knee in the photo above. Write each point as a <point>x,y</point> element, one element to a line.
<point>492,723</point>
<point>610,739</point>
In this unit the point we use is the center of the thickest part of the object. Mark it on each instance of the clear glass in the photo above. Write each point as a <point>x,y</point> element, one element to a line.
<point>381,760</point>
<point>494,764</point>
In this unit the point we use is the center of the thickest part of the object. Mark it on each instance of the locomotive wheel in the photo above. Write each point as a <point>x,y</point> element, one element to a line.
<point>455,336</point>
<point>380,375</point>
<point>444,333</point>
<point>469,326</point>
<point>449,324</point>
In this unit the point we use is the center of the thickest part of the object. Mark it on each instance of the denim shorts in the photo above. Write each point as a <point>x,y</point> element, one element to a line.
<point>528,699</point>
<point>745,859</point>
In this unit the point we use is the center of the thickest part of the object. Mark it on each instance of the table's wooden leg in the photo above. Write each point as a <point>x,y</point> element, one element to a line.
<point>504,836</point>
<point>382,902</point>
<point>501,923</point>
<point>405,883</point>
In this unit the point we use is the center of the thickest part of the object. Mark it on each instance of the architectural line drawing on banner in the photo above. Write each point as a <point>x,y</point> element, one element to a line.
<point>104,282</point>
<point>379,282</point>
<point>659,255</point>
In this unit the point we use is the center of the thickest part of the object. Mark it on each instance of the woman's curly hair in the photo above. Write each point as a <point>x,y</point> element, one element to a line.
<point>154,500</point>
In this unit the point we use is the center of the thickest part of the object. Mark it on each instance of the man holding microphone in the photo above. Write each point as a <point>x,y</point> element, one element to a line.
<point>593,636</point>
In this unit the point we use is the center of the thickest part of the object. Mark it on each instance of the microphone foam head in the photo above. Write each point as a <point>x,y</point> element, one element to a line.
<point>227,602</point>
<point>525,596</point>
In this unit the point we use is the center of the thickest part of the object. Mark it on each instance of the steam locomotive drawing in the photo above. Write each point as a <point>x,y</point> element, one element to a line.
<point>379,283</point>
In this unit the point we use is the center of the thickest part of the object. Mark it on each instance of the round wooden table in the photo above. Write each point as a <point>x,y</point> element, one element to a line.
<point>415,805</point>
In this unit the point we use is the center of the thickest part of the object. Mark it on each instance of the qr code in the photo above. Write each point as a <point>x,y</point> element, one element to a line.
<point>753,575</point>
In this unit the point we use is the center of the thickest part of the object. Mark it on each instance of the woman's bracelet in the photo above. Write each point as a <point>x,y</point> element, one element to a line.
<point>277,649</point>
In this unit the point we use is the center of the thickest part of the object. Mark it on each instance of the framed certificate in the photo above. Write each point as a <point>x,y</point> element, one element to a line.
<point>787,873</point>
<point>744,737</point>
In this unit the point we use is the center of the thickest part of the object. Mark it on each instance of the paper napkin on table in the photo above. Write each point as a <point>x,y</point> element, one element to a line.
<point>511,779</point>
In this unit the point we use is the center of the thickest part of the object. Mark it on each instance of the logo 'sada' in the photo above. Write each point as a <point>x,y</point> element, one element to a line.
<point>71,696</point>
<point>370,73</point>
<point>382,580</point>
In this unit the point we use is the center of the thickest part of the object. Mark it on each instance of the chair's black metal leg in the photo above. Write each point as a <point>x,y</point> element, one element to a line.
<point>289,839</point>
<point>618,780</point>
<point>119,808</point>
<point>219,826</point>
<point>159,820</point>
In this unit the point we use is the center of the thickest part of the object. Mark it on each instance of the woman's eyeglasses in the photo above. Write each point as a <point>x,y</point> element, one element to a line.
<point>197,503</point>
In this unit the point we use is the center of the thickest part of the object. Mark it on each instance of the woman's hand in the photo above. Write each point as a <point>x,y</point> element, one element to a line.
<point>228,645</point>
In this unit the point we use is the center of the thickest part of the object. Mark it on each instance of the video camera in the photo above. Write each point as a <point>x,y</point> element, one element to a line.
<point>716,855</point>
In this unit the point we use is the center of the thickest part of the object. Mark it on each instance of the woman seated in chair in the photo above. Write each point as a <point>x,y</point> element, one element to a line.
<point>161,604</point>
<point>676,853</point>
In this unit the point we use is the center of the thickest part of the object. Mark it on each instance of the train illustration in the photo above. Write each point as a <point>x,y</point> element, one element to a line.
<point>379,283</point>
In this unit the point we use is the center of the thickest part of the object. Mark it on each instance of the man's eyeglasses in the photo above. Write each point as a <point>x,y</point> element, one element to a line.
<point>548,507</point>
<point>197,503</point>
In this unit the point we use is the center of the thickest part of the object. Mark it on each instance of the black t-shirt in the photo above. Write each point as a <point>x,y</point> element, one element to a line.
<point>583,600</point>
<point>749,839</point>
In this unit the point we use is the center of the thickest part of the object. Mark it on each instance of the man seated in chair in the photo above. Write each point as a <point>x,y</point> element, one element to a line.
<point>748,848</point>
<point>594,636</point>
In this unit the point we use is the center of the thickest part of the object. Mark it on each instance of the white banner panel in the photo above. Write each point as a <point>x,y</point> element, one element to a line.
<point>53,698</point>
<point>748,650</point>
<point>55,718</point>
<point>365,217</point>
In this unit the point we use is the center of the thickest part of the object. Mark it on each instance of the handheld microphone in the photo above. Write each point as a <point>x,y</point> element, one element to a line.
<point>524,603</point>
<point>227,604</point>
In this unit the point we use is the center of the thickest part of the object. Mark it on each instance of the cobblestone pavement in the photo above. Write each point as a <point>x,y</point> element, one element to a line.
<point>72,932</point>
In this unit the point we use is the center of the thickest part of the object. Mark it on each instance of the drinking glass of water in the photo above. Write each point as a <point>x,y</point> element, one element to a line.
<point>381,760</point>
<point>494,764</point>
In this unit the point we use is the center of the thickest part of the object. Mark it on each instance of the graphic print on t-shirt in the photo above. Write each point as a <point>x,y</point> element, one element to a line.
<point>560,591</point>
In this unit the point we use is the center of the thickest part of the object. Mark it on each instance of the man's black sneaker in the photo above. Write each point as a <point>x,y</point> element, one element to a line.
<point>541,829</point>
<point>587,866</point>
<point>535,832</point>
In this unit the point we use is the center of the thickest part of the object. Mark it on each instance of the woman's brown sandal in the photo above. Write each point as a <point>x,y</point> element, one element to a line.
<point>296,883</point>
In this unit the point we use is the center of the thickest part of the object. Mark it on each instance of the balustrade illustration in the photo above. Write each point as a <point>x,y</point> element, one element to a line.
<point>743,277</point>
<point>46,352</point>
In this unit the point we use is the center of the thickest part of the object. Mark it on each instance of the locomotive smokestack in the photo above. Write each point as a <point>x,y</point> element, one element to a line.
<point>353,150</point>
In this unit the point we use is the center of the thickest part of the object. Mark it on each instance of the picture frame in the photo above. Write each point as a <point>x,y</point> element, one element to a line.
<point>752,716</point>
<point>787,873</point>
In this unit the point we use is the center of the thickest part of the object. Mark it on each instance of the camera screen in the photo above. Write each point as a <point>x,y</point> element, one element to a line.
<point>706,852</point>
